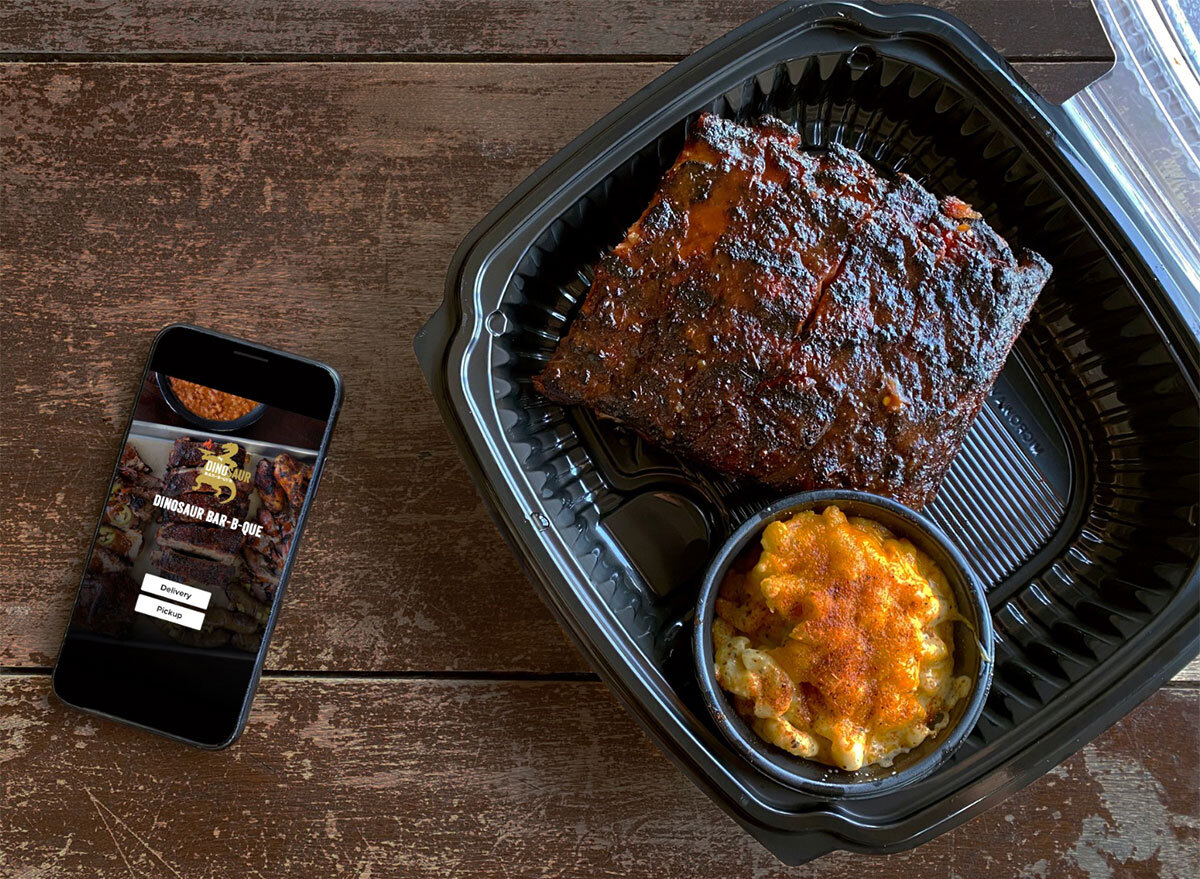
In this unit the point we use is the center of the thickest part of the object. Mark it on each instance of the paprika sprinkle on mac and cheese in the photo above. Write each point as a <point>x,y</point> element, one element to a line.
<point>838,644</point>
<point>209,403</point>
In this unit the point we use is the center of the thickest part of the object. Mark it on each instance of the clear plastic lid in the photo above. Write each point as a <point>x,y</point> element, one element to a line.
<point>1143,119</point>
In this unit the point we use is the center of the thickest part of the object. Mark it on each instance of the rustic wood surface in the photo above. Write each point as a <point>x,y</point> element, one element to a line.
<point>532,29</point>
<point>422,714</point>
<point>483,778</point>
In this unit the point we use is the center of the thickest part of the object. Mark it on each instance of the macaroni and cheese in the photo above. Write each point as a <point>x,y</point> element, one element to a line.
<point>837,643</point>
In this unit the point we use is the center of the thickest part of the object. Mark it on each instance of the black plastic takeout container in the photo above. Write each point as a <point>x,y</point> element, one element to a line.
<point>1074,496</point>
<point>973,649</point>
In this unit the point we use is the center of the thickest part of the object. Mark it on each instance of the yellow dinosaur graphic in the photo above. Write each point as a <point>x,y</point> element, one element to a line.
<point>218,472</point>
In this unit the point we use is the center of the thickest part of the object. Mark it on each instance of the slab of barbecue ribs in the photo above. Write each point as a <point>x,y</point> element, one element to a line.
<point>108,591</point>
<point>201,554</point>
<point>792,316</point>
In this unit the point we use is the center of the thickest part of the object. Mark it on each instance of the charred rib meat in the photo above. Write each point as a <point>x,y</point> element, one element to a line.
<point>122,543</point>
<point>128,506</point>
<point>206,501</point>
<point>281,484</point>
<point>293,477</point>
<point>192,569</point>
<point>218,544</point>
<point>791,316</point>
<point>269,489</point>
<point>105,561</point>
<point>193,552</point>
<point>184,481</point>
<point>107,594</point>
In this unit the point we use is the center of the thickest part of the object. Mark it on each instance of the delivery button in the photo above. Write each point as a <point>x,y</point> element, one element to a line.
<point>161,587</point>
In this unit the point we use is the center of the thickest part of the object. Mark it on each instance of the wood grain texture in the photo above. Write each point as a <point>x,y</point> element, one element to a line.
<point>417,778</point>
<point>310,206</point>
<point>316,206</point>
<point>579,29</point>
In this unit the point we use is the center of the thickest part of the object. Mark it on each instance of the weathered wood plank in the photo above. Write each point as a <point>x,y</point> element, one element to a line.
<point>1056,82</point>
<point>417,778</point>
<point>527,28</point>
<point>311,206</point>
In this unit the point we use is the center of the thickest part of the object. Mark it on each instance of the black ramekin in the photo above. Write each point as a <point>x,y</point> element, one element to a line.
<point>177,406</point>
<point>973,652</point>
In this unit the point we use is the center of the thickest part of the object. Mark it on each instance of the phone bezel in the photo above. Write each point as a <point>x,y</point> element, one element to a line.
<point>200,346</point>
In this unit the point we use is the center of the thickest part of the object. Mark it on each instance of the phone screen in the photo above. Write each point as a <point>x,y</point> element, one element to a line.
<point>196,538</point>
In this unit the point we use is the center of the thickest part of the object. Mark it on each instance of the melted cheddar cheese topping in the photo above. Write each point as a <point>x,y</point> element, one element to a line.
<point>837,643</point>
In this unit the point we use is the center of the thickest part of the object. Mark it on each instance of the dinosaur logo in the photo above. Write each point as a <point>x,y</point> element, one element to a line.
<point>219,471</point>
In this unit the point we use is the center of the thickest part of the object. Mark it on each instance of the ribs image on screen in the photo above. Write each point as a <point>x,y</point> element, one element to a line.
<point>792,316</point>
<point>106,597</point>
<point>282,483</point>
<point>202,554</point>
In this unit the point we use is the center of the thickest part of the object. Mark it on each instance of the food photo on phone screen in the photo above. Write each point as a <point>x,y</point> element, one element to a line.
<point>194,541</point>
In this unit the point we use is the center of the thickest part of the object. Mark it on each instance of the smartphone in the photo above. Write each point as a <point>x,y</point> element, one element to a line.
<point>198,533</point>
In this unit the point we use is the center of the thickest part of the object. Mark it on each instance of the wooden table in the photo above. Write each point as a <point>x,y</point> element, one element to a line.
<point>300,173</point>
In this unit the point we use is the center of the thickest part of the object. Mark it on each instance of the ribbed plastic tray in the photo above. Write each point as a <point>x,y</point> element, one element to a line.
<point>1075,494</point>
